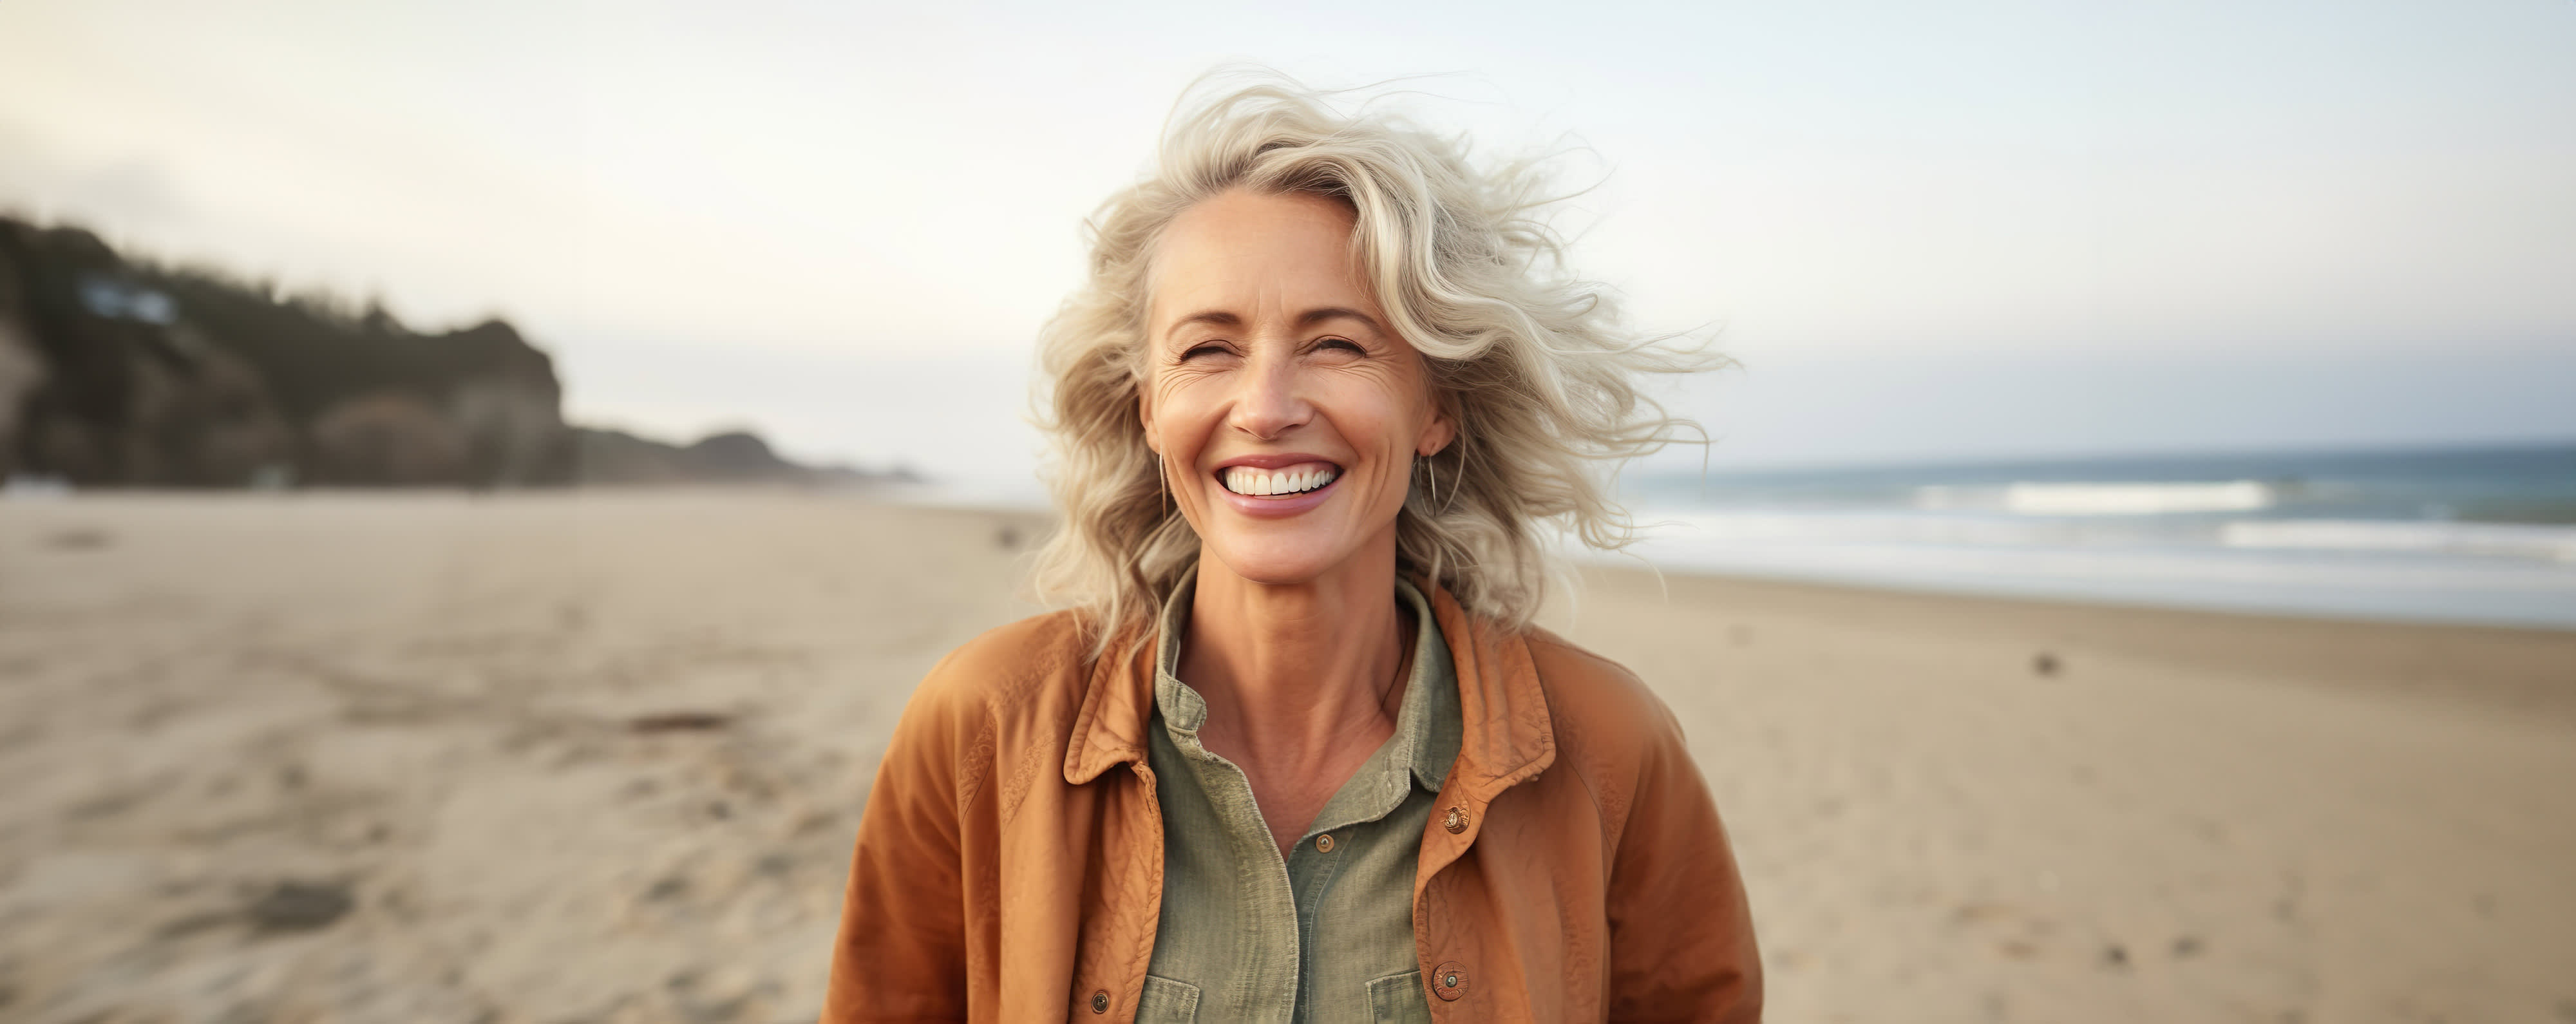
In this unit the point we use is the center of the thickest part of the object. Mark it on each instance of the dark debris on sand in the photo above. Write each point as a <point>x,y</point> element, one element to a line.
<point>301,906</point>
<point>680,721</point>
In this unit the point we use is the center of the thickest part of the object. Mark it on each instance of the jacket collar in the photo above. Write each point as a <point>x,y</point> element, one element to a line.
<point>1506,737</point>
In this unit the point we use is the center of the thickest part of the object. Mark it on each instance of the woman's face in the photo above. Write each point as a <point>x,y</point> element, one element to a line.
<point>1286,412</point>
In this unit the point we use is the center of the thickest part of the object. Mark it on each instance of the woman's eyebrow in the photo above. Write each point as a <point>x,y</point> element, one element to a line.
<point>1307,319</point>
<point>1316,316</point>
<point>1211,317</point>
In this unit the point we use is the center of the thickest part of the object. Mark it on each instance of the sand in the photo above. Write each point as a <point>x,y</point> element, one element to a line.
<point>598,756</point>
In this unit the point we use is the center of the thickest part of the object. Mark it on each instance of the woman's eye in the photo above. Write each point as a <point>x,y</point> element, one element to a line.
<point>1207,349</point>
<point>1345,344</point>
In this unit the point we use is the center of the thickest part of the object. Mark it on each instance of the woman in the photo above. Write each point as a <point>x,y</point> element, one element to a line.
<point>1296,753</point>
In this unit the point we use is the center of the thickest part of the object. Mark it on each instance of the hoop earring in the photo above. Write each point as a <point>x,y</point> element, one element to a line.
<point>1433,469</point>
<point>1457,483</point>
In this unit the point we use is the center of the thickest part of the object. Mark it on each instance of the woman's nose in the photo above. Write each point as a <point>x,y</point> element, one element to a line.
<point>1269,403</point>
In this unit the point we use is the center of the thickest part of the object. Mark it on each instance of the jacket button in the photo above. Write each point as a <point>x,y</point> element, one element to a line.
<point>1449,980</point>
<point>1100,1001</point>
<point>1456,820</point>
<point>1324,843</point>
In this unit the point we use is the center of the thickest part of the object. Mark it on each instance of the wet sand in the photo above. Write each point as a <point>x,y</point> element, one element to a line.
<point>598,756</point>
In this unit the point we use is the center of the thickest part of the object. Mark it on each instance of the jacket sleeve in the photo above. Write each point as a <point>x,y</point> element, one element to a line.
<point>901,951</point>
<point>1681,934</point>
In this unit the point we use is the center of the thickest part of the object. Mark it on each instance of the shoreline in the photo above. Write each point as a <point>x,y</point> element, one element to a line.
<point>932,498</point>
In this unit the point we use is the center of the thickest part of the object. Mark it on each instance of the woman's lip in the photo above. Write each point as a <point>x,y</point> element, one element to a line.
<point>1281,461</point>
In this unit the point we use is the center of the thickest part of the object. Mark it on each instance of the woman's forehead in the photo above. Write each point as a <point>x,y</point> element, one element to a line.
<point>1257,256</point>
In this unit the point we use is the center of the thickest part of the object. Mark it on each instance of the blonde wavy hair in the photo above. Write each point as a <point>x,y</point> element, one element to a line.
<point>1533,363</point>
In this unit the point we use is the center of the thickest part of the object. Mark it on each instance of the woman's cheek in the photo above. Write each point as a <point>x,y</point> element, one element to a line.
<point>1174,416</point>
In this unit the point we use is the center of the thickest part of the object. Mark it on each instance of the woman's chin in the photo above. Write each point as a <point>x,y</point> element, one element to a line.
<point>1278,561</point>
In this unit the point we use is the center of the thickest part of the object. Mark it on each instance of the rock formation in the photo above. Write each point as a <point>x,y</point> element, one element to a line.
<point>125,390</point>
<point>617,457</point>
<point>121,373</point>
<point>477,406</point>
<point>22,366</point>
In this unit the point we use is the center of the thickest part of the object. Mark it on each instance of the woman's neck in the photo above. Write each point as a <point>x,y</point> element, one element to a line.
<point>1293,675</point>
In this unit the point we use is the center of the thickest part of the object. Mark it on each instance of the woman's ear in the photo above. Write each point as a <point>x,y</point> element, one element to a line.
<point>1145,418</point>
<point>1442,429</point>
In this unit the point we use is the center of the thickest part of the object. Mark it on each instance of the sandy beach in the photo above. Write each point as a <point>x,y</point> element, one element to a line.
<point>599,755</point>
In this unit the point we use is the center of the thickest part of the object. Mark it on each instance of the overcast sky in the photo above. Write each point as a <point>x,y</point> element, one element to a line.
<point>1948,231</point>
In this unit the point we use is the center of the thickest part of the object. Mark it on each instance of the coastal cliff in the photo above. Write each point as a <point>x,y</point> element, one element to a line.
<point>124,373</point>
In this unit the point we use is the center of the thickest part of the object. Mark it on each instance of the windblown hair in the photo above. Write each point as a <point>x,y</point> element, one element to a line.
<point>1533,363</point>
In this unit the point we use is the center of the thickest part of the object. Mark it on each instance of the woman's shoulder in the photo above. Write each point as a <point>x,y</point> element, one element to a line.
<point>995,710</point>
<point>1595,692</point>
<point>1007,665</point>
<point>1606,722</point>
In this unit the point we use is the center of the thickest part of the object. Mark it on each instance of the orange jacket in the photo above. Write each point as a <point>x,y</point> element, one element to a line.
<point>1010,862</point>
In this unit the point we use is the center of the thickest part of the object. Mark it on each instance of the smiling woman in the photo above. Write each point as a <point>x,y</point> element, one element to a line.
<point>1295,753</point>
<point>1451,263</point>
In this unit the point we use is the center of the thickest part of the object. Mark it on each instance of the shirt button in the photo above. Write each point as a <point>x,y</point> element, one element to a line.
<point>1449,980</point>
<point>1324,843</point>
<point>1100,1001</point>
<point>1456,820</point>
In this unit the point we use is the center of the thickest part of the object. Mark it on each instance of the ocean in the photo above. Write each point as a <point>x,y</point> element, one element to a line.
<point>2467,535</point>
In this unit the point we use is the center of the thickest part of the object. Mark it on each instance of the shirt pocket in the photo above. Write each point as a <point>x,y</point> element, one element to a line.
<point>1167,1002</point>
<point>1399,999</point>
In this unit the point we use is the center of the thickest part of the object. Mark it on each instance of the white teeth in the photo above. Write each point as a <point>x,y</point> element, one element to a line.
<point>1263,483</point>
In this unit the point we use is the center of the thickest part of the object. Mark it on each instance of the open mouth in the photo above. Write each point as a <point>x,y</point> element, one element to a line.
<point>1282,482</point>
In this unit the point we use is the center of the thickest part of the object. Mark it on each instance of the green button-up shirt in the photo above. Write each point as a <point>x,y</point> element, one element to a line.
<point>1327,935</point>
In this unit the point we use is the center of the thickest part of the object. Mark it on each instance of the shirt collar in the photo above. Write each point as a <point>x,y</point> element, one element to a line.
<point>1505,732</point>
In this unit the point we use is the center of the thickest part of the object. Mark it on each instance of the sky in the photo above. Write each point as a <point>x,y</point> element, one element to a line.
<point>1924,231</point>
